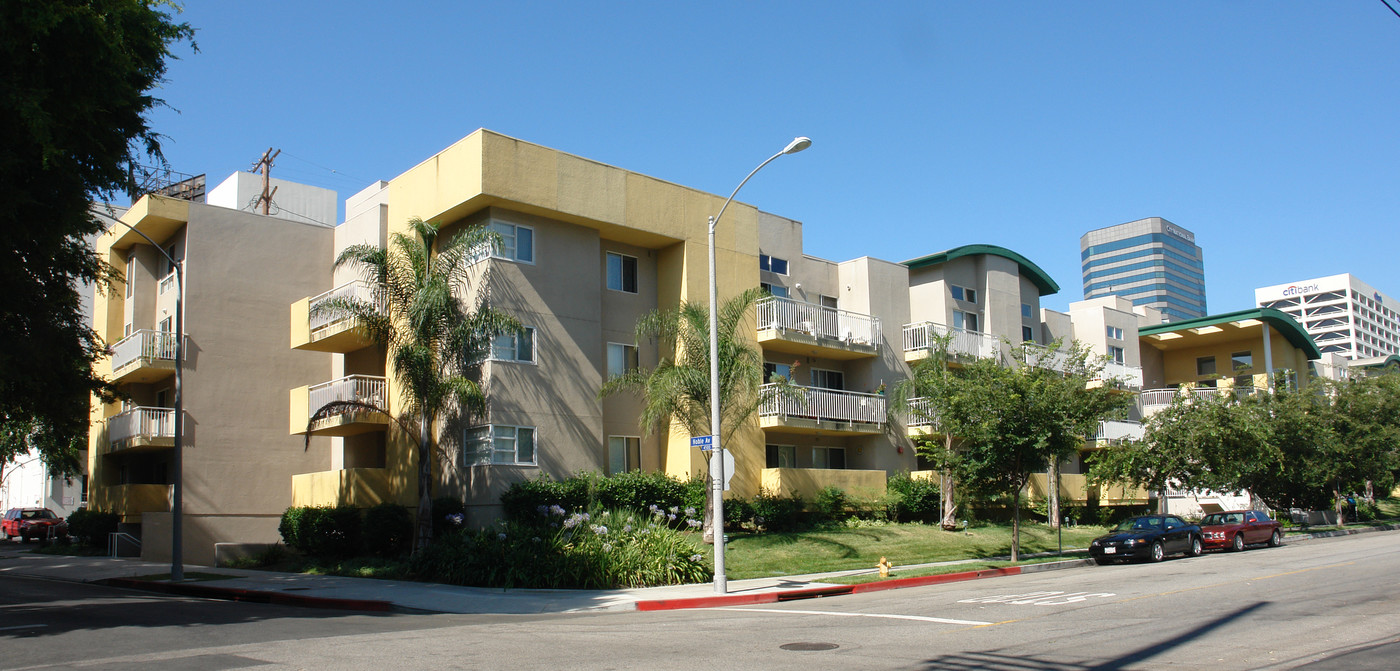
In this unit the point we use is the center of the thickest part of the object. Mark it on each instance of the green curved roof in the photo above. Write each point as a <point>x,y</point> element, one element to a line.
<point>1390,361</point>
<point>1280,320</point>
<point>1033,272</point>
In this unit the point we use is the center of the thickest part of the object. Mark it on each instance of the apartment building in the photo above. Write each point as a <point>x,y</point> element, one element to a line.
<point>1344,315</point>
<point>241,270</point>
<point>1151,262</point>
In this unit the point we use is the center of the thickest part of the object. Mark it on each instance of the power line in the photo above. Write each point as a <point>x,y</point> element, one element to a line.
<point>1392,9</point>
<point>330,170</point>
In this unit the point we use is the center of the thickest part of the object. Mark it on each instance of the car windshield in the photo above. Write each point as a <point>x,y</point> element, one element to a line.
<point>37,515</point>
<point>1139,524</point>
<point>1222,518</point>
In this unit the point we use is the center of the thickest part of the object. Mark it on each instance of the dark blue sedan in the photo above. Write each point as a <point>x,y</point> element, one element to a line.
<point>1149,537</point>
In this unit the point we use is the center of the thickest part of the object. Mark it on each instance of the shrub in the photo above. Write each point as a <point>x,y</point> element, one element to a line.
<point>635,490</point>
<point>92,526</point>
<point>737,513</point>
<point>830,504</point>
<point>777,513</point>
<point>323,532</point>
<point>443,507</point>
<point>291,526</point>
<point>388,530</point>
<point>913,500</point>
<point>693,495</point>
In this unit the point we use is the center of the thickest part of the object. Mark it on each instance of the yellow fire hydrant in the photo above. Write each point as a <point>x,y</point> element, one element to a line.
<point>884,567</point>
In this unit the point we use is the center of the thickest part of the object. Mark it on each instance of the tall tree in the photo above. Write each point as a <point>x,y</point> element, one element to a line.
<point>1366,420</point>
<point>416,311</point>
<point>677,390</point>
<point>75,82</point>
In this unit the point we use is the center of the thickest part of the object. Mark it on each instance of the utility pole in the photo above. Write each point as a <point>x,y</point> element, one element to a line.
<point>264,165</point>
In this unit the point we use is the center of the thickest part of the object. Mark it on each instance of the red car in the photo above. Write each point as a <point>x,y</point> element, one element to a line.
<point>30,523</point>
<point>1237,528</point>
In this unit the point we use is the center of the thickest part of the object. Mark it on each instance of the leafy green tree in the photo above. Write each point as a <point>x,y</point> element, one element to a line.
<point>75,82</point>
<point>677,390</point>
<point>417,312</point>
<point>1366,420</point>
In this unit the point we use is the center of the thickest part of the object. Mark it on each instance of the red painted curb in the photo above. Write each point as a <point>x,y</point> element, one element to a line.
<point>250,595</point>
<point>720,601</point>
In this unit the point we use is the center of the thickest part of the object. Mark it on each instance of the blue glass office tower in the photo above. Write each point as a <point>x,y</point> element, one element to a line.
<point>1151,262</point>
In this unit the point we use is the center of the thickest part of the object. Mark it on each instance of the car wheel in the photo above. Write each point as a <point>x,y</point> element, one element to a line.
<point>1157,552</point>
<point>1276,539</point>
<point>1237,545</point>
<point>1196,547</point>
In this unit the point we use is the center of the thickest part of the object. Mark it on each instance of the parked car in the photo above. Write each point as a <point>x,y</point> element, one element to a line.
<point>1237,528</point>
<point>30,523</point>
<point>1149,537</point>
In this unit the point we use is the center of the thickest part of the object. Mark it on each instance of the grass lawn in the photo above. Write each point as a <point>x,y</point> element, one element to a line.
<point>838,549</point>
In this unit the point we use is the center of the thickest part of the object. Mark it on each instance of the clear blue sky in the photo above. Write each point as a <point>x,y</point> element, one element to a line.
<point>1267,128</point>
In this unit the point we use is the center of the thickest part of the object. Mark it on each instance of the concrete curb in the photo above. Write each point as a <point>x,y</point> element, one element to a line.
<point>720,601</point>
<point>248,595</point>
<point>1342,532</point>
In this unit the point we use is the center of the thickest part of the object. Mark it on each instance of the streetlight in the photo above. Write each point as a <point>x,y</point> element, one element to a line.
<point>177,566</point>
<point>717,467</point>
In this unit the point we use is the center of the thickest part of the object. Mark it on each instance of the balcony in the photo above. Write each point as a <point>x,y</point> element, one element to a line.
<point>920,340</point>
<point>129,501</point>
<point>141,429</point>
<point>359,487</point>
<point>324,332</point>
<point>369,389</point>
<point>1126,377</point>
<point>1118,430</point>
<point>1045,357</point>
<point>818,410</point>
<point>917,425</point>
<point>1153,400</point>
<point>806,482</point>
<point>144,356</point>
<point>786,325</point>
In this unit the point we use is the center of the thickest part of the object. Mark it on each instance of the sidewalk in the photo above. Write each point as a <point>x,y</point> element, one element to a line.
<point>367,594</point>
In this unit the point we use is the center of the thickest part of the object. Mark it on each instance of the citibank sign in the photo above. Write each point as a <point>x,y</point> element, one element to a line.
<point>1296,290</point>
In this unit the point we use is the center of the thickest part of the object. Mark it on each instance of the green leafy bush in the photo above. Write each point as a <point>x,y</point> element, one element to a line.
<point>635,490</point>
<point>526,501</point>
<point>291,527</point>
<point>323,532</point>
<point>92,526</point>
<point>388,530</point>
<point>913,500</point>
<point>830,504</point>
<point>448,515</point>
<point>777,513</point>
<point>737,513</point>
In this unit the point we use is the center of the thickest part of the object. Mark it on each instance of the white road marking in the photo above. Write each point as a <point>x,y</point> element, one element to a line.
<point>916,618</point>
<point>23,626</point>
<point>1039,598</point>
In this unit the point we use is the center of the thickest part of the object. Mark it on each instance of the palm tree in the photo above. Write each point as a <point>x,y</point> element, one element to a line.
<point>416,310</point>
<point>677,391</point>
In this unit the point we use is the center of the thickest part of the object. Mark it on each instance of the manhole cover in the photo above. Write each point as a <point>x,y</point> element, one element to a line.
<point>808,647</point>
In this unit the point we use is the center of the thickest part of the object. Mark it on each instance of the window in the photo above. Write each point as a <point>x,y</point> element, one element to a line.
<point>130,272</point>
<point>1205,365</point>
<point>776,289</point>
<point>622,359</point>
<point>772,264</point>
<point>1242,361</point>
<point>1026,310</point>
<point>1115,354</point>
<point>827,301</point>
<point>963,294</point>
<point>1114,332</point>
<point>518,346</point>
<point>166,266</point>
<point>622,272</point>
<point>781,456</point>
<point>497,444</point>
<point>772,370</point>
<point>517,243</point>
<point>165,326</point>
<point>828,379</point>
<point>1027,334</point>
<point>966,321</point>
<point>624,454</point>
<point>828,457</point>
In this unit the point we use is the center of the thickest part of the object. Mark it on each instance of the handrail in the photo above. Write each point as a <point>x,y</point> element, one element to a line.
<point>355,289</point>
<point>776,312</point>
<point>141,421</point>
<point>825,404</point>
<point>921,336</point>
<point>143,344</point>
<point>362,388</point>
<point>114,538</point>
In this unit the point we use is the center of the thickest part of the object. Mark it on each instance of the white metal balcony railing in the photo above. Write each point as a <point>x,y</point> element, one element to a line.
<point>972,343</point>
<point>320,322</point>
<point>922,415</point>
<point>168,283</point>
<point>825,404</point>
<point>775,312</point>
<point>1129,376</point>
<point>142,422</point>
<point>363,388</point>
<point>1044,357</point>
<point>1119,429</point>
<point>1158,398</point>
<point>143,344</point>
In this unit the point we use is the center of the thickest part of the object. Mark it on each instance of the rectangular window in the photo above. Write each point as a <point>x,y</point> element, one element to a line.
<point>1026,310</point>
<point>1115,354</point>
<point>775,289</point>
<point>517,243</point>
<point>966,321</point>
<point>772,370</point>
<point>130,272</point>
<point>624,454</point>
<point>1205,365</point>
<point>963,294</point>
<point>828,379</point>
<point>1114,332</point>
<point>829,457</point>
<point>166,266</point>
<point>1242,361</point>
<point>622,359</point>
<point>1027,334</point>
<point>165,326</point>
<point>827,301</point>
<point>622,272</point>
<point>497,444</point>
<point>781,456</point>
<point>518,346</point>
<point>772,264</point>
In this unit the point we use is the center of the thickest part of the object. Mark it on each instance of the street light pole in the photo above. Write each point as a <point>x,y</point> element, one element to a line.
<point>177,564</point>
<point>717,461</point>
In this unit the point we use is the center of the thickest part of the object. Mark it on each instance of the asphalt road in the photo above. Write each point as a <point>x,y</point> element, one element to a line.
<point>1319,604</point>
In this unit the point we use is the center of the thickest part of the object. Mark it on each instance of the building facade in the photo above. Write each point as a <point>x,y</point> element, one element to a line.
<point>1344,315</point>
<point>1151,262</point>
